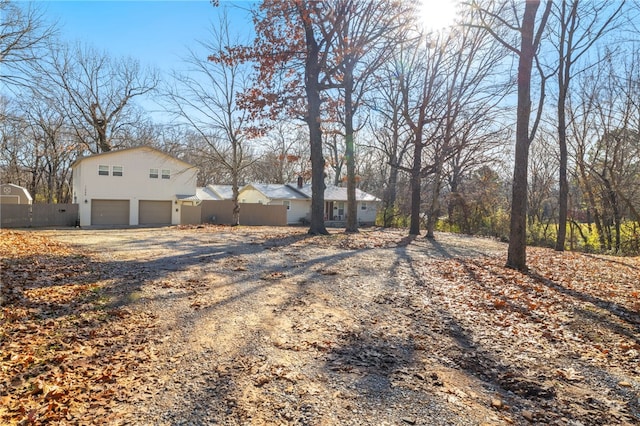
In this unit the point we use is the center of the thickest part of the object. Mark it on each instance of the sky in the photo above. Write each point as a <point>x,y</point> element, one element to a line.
<point>157,33</point>
<point>160,33</point>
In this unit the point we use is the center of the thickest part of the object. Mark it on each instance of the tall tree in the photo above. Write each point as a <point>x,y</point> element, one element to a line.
<point>207,99</point>
<point>529,39</point>
<point>389,132</point>
<point>96,91</point>
<point>581,25</point>
<point>471,95</point>
<point>291,51</point>
<point>423,95</point>
<point>367,34</point>
<point>23,35</point>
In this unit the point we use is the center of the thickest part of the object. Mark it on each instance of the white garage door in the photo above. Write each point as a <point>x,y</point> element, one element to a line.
<point>154,212</point>
<point>110,212</point>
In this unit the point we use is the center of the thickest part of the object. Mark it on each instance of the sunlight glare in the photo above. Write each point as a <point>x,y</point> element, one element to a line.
<point>437,14</point>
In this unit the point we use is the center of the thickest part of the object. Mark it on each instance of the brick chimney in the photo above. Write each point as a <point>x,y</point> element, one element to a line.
<point>300,181</point>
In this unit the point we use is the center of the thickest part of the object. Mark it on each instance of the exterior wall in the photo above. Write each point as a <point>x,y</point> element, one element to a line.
<point>134,184</point>
<point>250,195</point>
<point>299,211</point>
<point>369,214</point>
<point>366,216</point>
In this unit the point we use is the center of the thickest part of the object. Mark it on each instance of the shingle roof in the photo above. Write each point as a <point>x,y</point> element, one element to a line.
<point>337,193</point>
<point>279,191</point>
<point>204,193</point>
<point>124,150</point>
<point>282,192</point>
<point>185,197</point>
<point>214,192</point>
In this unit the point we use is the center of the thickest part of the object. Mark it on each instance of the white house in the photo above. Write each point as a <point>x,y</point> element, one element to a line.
<point>297,198</point>
<point>335,203</point>
<point>135,186</point>
<point>298,204</point>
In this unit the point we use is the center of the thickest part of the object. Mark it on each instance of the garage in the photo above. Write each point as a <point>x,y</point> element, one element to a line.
<point>154,212</point>
<point>110,212</point>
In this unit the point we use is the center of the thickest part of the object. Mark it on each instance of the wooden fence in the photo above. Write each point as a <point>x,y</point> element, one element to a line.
<point>217,212</point>
<point>221,213</point>
<point>38,215</point>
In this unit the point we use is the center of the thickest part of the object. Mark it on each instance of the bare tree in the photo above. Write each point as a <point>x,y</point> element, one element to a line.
<point>284,155</point>
<point>367,34</point>
<point>422,85</point>
<point>96,92</point>
<point>529,40</point>
<point>207,100</point>
<point>581,25</point>
<point>471,101</point>
<point>390,134</point>
<point>23,34</point>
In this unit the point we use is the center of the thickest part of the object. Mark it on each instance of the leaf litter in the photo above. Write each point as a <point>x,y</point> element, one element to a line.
<point>286,328</point>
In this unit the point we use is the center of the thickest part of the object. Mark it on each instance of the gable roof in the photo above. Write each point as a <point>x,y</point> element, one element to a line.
<point>14,190</point>
<point>277,191</point>
<point>215,192</point>
<point>337,193</point>
<point>125,150</point>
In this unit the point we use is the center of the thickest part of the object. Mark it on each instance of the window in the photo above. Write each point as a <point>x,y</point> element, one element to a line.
<point>363,206</point>
<point>153,173</point>
<point>116,171</point>
<point>103,170</point>
<point>288,204</point>
<point>166,174</point>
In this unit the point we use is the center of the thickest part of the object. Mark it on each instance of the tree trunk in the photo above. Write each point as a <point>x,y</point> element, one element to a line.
<point>236,205</point>
<point>517,251</point>
<point>352,204</point>
<point>434,209</point>
<point>390,194</point>
<point>416,186</point>
<point>563,195</point>
<point>597,219</point>
<point>312,89</point>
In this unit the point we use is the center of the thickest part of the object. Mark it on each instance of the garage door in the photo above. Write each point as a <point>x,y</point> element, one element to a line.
<point>109,212</point>
<point>154,212</point>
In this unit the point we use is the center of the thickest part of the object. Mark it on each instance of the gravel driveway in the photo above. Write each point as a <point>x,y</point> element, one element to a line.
<point>271,326</point>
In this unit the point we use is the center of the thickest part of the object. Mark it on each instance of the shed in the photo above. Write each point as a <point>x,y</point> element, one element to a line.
<point>14,194</point>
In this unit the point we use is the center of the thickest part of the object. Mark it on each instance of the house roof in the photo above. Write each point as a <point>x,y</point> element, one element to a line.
<point>215,192</point>
<point>278,191</point>
<point>337,193</point>
<point>121,151</point>
<point>187,197</point>
<point>204,193</point>
<point>281,192</point>
<point>16,189</point>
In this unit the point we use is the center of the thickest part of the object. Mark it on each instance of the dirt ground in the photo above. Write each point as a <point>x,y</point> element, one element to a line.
<point>271,326</point>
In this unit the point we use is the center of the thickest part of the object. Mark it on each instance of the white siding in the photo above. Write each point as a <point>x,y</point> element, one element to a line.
<point>298,210</point>
<point>250,195</point>
<point>134,184</point>
<point>369,214</point>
